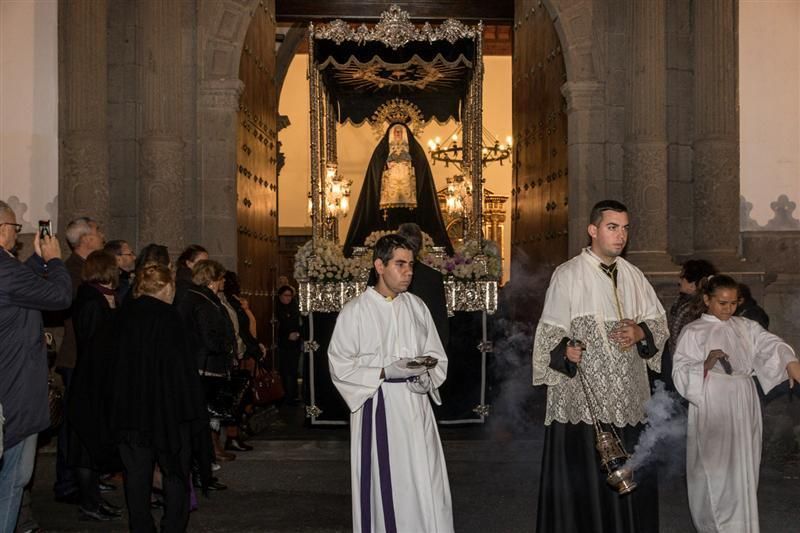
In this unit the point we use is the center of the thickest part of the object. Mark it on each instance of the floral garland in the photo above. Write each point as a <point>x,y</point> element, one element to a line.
<point>464,264</point>
<point>328,263</point>
<point>372,238</point>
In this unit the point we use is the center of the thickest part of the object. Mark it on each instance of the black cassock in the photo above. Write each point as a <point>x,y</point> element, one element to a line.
<point>369,217</point>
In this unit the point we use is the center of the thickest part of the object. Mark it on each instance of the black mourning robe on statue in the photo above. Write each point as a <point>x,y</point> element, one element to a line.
<point>369,217</point>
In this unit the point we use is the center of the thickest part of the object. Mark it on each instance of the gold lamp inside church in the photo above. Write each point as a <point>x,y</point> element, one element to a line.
<point>452,153</point>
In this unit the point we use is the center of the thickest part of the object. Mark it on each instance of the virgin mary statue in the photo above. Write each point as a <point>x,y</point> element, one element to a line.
<point>398,187</point>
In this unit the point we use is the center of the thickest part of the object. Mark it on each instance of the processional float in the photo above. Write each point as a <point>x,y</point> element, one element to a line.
<point>371,73</point>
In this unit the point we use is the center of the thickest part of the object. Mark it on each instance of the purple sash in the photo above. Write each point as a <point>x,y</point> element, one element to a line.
<point>382,442</point>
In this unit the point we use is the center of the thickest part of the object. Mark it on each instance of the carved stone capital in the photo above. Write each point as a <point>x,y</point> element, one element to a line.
<point>83,187</point>
<point>584,95</point>
<point>645,193</point>
<point>222,94</point>
<point>716,195</point>
<point>161,193</point>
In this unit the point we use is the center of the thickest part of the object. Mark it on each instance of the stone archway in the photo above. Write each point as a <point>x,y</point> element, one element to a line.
<point>222,27</point>
<point>585,95</point>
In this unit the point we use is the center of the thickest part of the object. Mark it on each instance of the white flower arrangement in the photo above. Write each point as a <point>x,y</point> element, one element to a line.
<point>327,262</point>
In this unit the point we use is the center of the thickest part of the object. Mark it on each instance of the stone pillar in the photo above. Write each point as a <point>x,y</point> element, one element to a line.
<point>586,116</point>
<point>645,148</point>
<point>715,169</point>
<point>218,105</point>
<point>83,188</point>
<point>161,153</point>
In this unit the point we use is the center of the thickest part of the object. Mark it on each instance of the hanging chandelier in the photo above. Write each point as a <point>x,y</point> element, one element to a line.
<point>337,193</point>
<point>458,196</point>
<point>453,153</point>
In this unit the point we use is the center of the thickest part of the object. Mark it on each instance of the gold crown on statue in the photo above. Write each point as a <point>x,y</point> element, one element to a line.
<point>397,110</point>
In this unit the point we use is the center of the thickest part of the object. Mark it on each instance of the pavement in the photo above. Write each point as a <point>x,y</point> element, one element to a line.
<point>297,479</point>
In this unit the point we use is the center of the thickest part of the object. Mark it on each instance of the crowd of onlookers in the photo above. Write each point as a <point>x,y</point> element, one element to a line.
<point>155,361</point>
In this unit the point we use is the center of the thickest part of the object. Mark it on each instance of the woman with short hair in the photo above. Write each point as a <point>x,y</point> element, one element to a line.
<point>157,406</point>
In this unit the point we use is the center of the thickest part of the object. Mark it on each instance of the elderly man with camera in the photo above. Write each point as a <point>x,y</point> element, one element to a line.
<point>26,289</point>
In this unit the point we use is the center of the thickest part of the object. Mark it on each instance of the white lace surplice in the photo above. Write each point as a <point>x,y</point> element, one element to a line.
<point>724,434</point>
<point>580,304</point>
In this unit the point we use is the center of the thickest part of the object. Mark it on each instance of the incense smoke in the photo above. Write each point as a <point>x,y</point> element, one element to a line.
<point>516,405</point>
<point>663,442</point>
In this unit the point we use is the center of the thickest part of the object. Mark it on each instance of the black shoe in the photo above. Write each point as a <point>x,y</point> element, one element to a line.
<point>106,487</point>
<point>98,515</point>
<point>245,428</point>
<point>73,498</point>
<point>237,445</point>
<point>217,485</point>
<point>214,484</point>
<point>110,508</point>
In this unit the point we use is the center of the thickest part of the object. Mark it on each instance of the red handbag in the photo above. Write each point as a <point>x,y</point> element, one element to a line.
<point>266,385</point>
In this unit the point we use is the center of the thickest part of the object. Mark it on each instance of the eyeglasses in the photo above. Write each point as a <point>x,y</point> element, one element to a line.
<point>17,227</point>
<point>129,253</point>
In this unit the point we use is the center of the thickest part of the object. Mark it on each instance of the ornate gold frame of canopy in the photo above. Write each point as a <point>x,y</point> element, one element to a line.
<point>354,71</point>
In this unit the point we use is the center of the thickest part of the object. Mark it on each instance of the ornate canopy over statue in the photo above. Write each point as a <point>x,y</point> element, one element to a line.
<point>396,76</point>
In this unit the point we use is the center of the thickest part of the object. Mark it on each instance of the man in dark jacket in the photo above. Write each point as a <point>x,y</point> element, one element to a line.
<point>41,283</point>
<point>427,283</point>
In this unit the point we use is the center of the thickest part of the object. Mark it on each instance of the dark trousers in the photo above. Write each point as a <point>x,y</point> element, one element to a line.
<point>66,481</point>
<point>288,362</point>
<point>88,485</point>
<point>139,462</point>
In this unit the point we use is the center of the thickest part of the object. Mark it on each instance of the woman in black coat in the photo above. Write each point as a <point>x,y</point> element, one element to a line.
<point>211,335</point>
<point>157,406</point>
<point>91,449</point>
<point>290,342</point>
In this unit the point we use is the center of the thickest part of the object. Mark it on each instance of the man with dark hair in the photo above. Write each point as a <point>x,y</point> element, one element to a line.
<point>385,358</point>
<point>601,320</point>
<point>427,283</point>
<point>126,262</point>
<point>24,293</point>
<point>602,206</point>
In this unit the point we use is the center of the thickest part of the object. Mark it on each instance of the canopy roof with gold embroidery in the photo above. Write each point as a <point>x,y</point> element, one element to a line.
<point>363,67</point>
